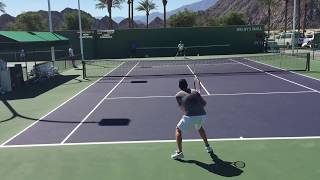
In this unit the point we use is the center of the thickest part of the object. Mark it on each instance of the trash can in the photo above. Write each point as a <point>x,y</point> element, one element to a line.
<point>16,75</point>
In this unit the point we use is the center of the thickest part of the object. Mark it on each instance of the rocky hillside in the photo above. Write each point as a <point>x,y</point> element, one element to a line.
<point>5,20</point>
<point>197,6</point>
<point>256,12</point>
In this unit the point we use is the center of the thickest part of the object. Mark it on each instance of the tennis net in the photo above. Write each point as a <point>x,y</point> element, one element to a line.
<point>197,65</point>
<point>157,51</point>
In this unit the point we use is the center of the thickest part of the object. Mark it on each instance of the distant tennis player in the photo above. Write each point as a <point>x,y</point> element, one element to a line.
<point>192,105</point>
<point>72,57</point>
<point>181,49</point>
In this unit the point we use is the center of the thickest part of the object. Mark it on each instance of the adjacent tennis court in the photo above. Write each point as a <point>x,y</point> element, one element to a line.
<point>128,117</point>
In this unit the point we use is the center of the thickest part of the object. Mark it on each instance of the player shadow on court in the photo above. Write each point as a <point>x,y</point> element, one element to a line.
<point>218,167</point>
<point>114,122</point>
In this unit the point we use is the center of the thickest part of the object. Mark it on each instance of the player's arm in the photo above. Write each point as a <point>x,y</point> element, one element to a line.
<point>179,101</point>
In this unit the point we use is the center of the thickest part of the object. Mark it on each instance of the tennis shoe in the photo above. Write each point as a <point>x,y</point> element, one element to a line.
<point>177,155</point>
<point>209,149</point>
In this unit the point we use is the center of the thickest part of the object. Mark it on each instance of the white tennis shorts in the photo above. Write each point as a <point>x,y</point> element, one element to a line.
<point>188,122</point>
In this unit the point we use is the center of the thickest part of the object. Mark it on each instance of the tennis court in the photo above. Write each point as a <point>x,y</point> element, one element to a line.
<point>249,98</point>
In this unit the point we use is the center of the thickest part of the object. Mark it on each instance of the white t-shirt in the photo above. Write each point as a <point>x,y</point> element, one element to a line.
<point>22,53</point>
<point>192,102</point>
<point>71,54</point>
<point>180,47</point>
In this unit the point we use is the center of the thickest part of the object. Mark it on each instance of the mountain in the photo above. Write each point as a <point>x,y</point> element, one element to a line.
<point>117,19</point>
<point>5,20</point>
<point>256,12</point>
<point>253,10</point>
<point>124,24</point>
<point>197,6</point>
<point>156,23</point>
<point>57,18</point>
<point>104,23</point>
<point>101,22</point>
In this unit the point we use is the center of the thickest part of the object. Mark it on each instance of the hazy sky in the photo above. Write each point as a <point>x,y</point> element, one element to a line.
<point>15,7</point>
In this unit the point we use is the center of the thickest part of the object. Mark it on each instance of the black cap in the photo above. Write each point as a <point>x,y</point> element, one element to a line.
<point>183,84</point>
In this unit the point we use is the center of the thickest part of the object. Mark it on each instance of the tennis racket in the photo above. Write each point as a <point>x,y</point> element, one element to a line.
<point>196,81</point>
<point>197,85</point>
<point>238,164</point>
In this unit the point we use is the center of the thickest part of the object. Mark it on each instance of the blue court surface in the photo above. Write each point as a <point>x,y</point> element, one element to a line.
<point>275,104</point>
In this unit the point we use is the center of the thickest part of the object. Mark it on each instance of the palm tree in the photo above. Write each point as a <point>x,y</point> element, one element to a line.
<point>147,6</point>
<point>299,14</point>
<point>269,4</point>
<point>164,2</point>
<point>2,6</point>
<point>109,4</point>
<point>305,15</point>
<point>286,15</point>
<point>129,13</point>
<point>132,22</point>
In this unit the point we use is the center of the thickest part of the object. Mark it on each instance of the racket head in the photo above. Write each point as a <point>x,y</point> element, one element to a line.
<point>239,164</point>
<point>197,84</point>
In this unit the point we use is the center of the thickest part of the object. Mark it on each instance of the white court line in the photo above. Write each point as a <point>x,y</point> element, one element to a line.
<point>200,81</point>
<point>25,129</point>
<point>85,118</point>
<point>162,141</point>
<point>306,87</point>
<point>282,69</point>
<point>139,97</point>
<point>178,65</point>
<point>263,93</point>
<point>224,94</point>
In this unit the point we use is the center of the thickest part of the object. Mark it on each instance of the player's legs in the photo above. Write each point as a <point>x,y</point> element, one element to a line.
<point>74,62</point>
<point>203,135</point>
<point>179,139</point>
<point>178,154</point>
<point>181,126</point>
<point>202,132</point>
<point>177,53</point>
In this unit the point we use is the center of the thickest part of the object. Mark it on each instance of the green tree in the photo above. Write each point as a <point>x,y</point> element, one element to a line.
<point>183,19</point>
<point>164,2</point>
<point>109,4</point>
<point>29,21</point>
<point>147,6</point>
<point>71,21</point>
<point>214,21</point>
<point>233,18</point>
<point>2,7</point>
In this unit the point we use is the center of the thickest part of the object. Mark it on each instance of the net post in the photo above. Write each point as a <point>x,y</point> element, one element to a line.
<point>308,62</point>
<point>84,73</point>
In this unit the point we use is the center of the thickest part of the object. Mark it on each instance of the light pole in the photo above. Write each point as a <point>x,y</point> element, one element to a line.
<point>53,58</point>
<point>293,38</point>
<point>80,31</point>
